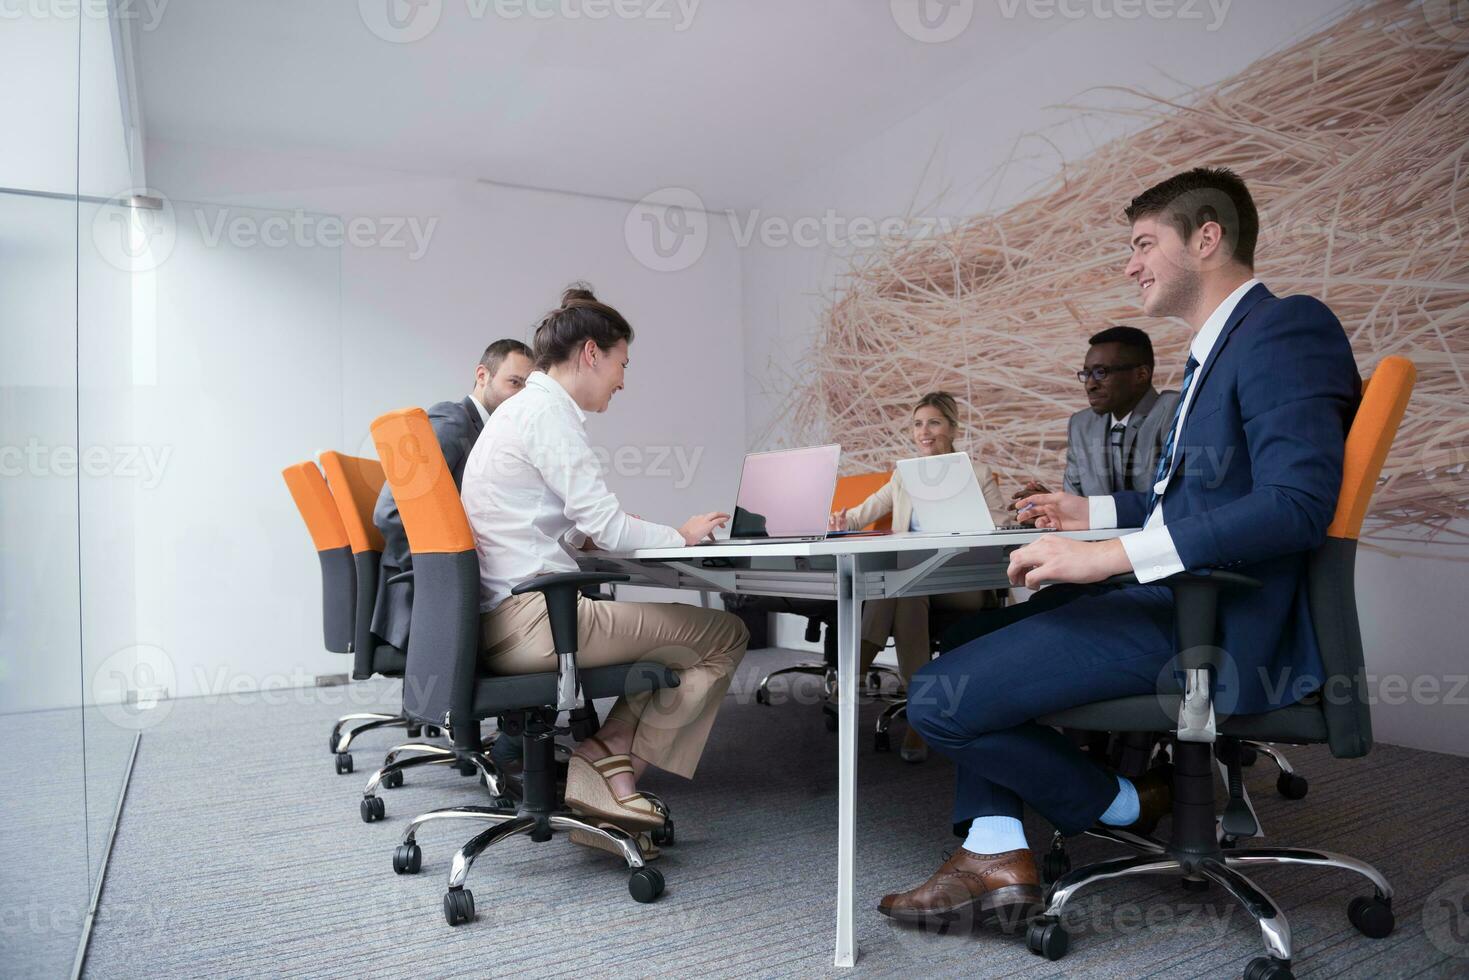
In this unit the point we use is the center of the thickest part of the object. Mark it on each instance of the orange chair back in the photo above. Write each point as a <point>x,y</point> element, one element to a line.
<point>355,484</point>
<point>852,490</point>
<point>1384,400</point>
<point>314,500</point>
<point>423,486</point>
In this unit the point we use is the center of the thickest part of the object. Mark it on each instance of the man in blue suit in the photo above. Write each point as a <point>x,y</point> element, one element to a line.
<point>1247,479</point>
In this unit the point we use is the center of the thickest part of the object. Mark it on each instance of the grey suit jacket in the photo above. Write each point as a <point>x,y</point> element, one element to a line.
<point>457,425</point>
<point>1088,472</point>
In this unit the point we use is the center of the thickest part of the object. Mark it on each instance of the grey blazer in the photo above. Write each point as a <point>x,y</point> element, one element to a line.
<point>457,425</point>
<point>1088,472</point>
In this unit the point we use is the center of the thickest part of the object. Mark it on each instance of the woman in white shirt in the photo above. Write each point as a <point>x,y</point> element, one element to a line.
<point>534,493</point>
<point>935,426</point>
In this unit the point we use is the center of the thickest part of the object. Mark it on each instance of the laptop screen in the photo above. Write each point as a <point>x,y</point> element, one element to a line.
<point>786,494</point>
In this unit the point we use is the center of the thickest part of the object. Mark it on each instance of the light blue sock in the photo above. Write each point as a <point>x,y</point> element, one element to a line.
<point>1124,809</point>
<point>995,835</point>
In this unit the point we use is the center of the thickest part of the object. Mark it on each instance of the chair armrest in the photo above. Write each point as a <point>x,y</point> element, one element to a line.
<point>561,591</point>
<point>1195,623</point>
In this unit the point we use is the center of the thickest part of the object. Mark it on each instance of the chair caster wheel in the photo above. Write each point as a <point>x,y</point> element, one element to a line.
<point>1045,937</point>
<point>1268,968</point>
<point>432,731</point>
<point>645,885</point>
<point>663,836</point>
<point>762,696</point>
<point>1054,865</point>
<point>372,809</point>
<point>503,803</point>
<point>458,906</point>
<point>1373,917</point>
<point>415,731</point>
<point>344,763</point>
<point>1292,786</point>
<point>1248,756</point>
<point>393,779</point>
<point>829,715</point>
<point>1194,884</point>
<point>882,742</point>
<point>407,859</point>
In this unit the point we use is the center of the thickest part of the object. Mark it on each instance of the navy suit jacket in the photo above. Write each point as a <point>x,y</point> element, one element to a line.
<point>1257,474</point>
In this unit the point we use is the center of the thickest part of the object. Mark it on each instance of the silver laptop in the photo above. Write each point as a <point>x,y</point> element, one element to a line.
<point>947,498</point>
<point>784,496</point>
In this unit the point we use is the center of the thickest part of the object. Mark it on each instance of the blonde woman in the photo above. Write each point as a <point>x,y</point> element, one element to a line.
<point>935,427</point>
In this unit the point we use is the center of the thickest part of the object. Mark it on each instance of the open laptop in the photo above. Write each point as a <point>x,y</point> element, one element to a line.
<point>784,496</point>
<point>947,498</point>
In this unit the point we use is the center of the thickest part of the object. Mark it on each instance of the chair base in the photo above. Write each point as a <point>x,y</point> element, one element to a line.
<point>1372,916</point>
<point>645,884</point>
<point>372,808</point>
<point>339,742</point>
<point>873,687</point>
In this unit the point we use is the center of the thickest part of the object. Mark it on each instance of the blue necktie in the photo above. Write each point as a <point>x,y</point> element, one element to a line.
<point>1165,460</point>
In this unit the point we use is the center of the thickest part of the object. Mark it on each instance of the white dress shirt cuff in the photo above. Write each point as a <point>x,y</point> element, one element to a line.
<point>1102,512</point>
<point>1152,553</point>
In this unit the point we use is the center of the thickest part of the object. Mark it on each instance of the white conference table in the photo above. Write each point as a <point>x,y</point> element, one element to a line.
<point>847,570</point>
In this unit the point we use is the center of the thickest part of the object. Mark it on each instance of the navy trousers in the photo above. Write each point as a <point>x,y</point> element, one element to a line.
<point>977,703</point>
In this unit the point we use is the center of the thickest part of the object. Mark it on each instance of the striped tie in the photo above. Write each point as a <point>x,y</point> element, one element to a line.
<point>1165,460</point>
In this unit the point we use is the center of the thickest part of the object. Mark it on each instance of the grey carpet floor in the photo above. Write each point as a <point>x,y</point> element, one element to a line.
<point>241,854</point>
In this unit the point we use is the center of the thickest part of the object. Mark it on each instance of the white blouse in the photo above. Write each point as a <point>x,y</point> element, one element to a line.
<point>534,493</point>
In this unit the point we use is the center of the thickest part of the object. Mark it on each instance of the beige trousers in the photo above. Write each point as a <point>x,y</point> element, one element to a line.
<point>671,725</point>
<point>906,621</point>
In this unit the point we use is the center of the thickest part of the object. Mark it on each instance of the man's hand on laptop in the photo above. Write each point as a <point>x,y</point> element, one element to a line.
<point>837,521</point>
<point>1057,559</point>
<point>701,527</point>
<point>1064,511</point>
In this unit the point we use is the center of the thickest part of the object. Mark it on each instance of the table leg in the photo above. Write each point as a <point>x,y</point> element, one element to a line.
<point>849,638</point>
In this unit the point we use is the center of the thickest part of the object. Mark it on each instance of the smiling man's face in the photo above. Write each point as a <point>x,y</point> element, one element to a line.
<point>1168,283</point>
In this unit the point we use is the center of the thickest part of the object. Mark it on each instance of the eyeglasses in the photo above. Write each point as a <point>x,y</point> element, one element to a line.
<point>1100,372</point>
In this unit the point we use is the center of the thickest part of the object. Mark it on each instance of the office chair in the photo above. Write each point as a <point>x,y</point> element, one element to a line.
<point>820,615</point>
<point>355,483</point>
<point>339,592</point>
<point>1197,848</point>
<point>444,684</point>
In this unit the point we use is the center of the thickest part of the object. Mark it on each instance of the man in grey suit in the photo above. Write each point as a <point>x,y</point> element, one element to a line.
<point>500,374</point>
<point>1114,444</point>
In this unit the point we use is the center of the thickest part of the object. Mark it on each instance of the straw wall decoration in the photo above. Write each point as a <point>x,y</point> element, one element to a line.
<point>1355,143</point>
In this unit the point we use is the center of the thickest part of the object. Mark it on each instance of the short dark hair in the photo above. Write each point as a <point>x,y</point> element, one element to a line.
<point>496,353</point>
<point>1204,194</point>
<point>1133,339</point>
<point>579,318</point>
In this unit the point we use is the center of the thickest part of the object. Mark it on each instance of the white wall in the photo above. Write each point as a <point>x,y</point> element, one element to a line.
<point>942,161</point>
<point>269,355</point>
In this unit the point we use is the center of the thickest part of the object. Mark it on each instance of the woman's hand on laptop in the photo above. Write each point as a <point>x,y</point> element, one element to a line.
<point>837,521</point>
<point>701,526</point>
<point>1065,511</point>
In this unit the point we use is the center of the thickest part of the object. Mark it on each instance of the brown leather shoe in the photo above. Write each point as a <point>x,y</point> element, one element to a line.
<point>1001,889</point>
<point>1154,799</point>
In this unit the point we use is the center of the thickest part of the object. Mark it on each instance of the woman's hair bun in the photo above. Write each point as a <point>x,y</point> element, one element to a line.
<point>578,292</point>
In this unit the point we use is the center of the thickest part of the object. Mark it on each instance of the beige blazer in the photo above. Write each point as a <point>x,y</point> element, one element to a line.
<point>893,499</point>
